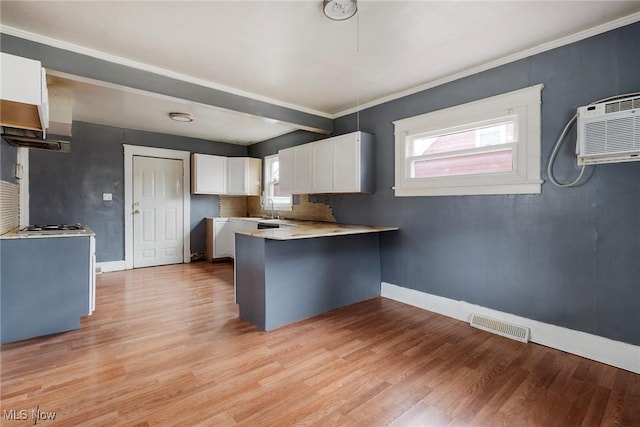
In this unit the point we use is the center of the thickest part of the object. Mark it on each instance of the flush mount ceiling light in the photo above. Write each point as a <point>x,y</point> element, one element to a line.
<point>339,10</point>
<point>181,117</point>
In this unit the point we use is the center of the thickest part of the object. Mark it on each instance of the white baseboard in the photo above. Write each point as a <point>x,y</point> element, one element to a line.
<point>604,350</point>
<point>105,267</point>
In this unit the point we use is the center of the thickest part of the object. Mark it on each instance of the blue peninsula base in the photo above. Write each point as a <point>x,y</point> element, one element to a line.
<point>283,281</point>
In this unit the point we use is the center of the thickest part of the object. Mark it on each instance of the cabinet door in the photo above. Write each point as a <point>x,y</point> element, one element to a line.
<point>346,164</point>
<point>254,177</point>
<point>237,175</point>
<point>21,79</point>
<point>222,239</point>
<point>322,154</point>
<point>287,161</point>
<point>302,177</point>
<point>208,174</point>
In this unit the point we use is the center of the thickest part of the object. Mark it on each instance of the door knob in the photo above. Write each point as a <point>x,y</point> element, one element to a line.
<point>136,212</point>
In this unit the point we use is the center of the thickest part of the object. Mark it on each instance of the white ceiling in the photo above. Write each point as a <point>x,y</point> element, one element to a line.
<point>107,104</point>
<point>288,53</point>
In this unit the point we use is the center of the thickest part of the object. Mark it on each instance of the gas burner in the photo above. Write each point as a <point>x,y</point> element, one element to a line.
<point>53,227</point>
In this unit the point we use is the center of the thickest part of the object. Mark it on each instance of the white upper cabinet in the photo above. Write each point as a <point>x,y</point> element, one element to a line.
<point>208,174</point>
<point>295,169</point>
<point>244,176</point>
<point>347,165</point>
<point>342,164</point>
<point>235,176</point>
<point>302,176</point>
<point>24,93</point>
<point>287,160</point>
<point>322,153</point>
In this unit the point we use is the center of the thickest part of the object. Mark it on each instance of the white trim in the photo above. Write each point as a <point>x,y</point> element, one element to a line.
<point>265,194</point>
<point>523,105</point>
<point>22,158</point>
<point>92,274</point>
<point>108,266</point>
<point>152,69</point>
<point>185,156</point>
<point>563,41</point>
<point>614,353</point>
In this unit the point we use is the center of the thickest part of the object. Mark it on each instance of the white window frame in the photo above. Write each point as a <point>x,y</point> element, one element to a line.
<point>279,203</point>
<point>523,179</point>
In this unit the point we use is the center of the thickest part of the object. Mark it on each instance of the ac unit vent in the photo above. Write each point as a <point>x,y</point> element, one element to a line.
<point>622,105</point>
<point>509,330</point>
<point>609,132</point>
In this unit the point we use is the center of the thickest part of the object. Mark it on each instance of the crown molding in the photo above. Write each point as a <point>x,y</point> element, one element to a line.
<point>585,34</point>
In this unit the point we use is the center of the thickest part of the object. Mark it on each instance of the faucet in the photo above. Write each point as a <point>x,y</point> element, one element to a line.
<point>273,212</point>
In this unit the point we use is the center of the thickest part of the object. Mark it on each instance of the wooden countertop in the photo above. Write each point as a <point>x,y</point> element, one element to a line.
<point>292,229</point>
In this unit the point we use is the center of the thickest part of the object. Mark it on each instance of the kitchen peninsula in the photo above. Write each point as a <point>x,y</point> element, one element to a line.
<point>303,269</point>
<point>48,280</point>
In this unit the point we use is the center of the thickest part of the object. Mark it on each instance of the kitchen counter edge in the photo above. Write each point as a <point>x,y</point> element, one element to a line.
<point>13,234</point>
<point>313,230</point>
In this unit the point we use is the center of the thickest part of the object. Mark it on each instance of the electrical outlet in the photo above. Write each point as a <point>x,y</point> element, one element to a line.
<point>107,197</point>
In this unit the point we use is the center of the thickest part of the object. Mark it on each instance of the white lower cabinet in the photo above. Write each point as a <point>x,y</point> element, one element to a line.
<point>221,239</point>
<point>92,274</point>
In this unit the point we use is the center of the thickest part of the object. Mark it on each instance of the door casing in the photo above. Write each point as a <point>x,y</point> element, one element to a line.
<point>136,150</point>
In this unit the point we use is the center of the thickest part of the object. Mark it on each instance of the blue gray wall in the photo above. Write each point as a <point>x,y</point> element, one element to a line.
<point>8,156</point>
<point>68,187</point>
<point>568,257</point>
<point>271,146</point>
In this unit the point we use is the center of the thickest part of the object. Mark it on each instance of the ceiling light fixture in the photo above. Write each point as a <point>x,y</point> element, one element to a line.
<point>181,117</point>
<point>339,10</point>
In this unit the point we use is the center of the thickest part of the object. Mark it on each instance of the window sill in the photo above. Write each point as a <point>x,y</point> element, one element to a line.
<point>529,187</point>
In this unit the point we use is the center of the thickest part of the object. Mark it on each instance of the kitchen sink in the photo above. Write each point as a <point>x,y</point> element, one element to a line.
<point>265,225</point>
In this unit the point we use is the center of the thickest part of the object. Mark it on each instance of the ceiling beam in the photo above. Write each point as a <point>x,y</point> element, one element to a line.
<point>65,61</point>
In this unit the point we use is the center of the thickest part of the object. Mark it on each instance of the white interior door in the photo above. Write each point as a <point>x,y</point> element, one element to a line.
<point>158,211</point>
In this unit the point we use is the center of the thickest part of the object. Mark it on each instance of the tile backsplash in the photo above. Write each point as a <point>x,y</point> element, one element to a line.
<point>9,206</point>
<point>303,208</point>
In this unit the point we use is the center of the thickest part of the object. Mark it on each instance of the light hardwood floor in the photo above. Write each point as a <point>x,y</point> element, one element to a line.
<point>165,346</point>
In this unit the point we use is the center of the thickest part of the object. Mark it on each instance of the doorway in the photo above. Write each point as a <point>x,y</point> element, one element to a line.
<point>157,211</point>
<point>157,206</point>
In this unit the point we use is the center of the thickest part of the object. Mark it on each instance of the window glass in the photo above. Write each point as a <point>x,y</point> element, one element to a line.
<point>272,193</point>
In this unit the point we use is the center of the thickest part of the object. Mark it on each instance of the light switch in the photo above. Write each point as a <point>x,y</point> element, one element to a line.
<point>107,196</point>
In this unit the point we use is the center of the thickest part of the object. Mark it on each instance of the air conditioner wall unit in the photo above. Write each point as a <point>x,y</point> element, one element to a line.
<point>609,132</point>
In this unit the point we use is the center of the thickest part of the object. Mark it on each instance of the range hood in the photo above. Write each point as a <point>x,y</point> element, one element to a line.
<point>33,139</point>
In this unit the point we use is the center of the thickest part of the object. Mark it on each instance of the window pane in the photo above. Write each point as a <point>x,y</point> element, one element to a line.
<point>275,170</point>
<point>496,161</point>
<point>482,136</point>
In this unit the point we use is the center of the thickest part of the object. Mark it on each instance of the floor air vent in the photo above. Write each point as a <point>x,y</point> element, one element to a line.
<point>518,333</point>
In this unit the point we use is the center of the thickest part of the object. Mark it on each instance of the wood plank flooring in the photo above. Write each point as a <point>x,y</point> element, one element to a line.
<point>165,346</point>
